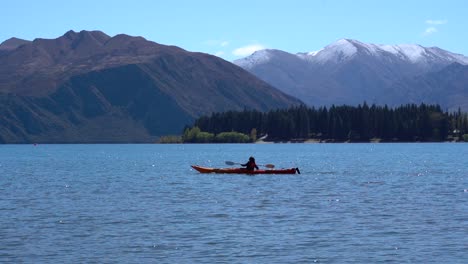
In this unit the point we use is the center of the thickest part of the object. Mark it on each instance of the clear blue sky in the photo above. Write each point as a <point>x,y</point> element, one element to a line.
<point>232,29</point>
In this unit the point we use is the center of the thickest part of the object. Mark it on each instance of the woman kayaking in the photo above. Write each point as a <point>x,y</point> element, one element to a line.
<point>250,165</point>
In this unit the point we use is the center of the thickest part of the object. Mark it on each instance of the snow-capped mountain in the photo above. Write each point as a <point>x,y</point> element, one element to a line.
<point>348,71</point>
<point>345,49</point>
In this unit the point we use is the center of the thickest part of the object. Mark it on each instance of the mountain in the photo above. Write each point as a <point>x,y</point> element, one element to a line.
<point>350,72</point>
<point>447,87</point>
<point>89,87</point>
<point>12,43</point>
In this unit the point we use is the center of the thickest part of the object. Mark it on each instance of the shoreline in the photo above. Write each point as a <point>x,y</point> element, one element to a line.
<point>329,141</point>
<point>309,141</point>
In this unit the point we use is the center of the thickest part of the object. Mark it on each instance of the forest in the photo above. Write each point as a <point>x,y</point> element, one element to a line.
<point>362,123</point>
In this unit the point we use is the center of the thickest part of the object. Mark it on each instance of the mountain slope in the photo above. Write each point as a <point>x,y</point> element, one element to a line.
<point>348,71</point>
<point>89,87</point>
<point>286,71</point>
<point>41,65</point>
<point>447,87</point>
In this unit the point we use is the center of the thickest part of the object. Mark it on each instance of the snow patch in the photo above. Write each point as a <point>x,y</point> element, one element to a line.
<point>308,56</point>
<point>313,53</point>
<point>343,46</point>
<point>338,51</point>
<point>414,53</point>
<point>258,57</point>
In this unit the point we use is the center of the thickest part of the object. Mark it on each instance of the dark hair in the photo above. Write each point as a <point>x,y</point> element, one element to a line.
<point>251,159</point>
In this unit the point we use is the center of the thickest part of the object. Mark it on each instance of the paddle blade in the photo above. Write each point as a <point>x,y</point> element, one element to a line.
<point>270,166</point>
<point>230,163</point>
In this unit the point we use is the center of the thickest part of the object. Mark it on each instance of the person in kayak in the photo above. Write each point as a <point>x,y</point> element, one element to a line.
<point>250,165</point>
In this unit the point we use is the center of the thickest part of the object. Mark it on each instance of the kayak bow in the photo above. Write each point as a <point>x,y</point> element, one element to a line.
<point>244,171</point>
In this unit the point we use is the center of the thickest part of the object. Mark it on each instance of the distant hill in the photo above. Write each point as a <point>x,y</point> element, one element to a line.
<point>351,72</point>
<point>89,87</point>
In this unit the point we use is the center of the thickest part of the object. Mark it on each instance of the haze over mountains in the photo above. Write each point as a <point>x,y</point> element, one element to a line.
<point>351,72</point>
<point>89,87</point>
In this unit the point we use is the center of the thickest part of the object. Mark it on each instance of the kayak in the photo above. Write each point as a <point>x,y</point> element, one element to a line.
<point>245,171</point>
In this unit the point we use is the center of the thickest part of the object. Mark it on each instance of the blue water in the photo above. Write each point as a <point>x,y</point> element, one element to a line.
<point>353,203</point>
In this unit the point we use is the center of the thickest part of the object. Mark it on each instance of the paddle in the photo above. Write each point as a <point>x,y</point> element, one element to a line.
<point>270,166</point>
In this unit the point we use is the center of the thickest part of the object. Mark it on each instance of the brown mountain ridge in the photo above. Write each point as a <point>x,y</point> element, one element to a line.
<point>89,87</point>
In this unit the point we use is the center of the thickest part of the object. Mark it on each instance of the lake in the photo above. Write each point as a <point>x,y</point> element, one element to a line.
<point>352,203</point>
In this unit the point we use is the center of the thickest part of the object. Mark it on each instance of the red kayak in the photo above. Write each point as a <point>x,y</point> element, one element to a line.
<point>245,171</point>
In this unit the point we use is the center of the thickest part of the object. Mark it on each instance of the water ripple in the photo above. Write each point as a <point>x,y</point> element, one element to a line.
<point>360,203</point>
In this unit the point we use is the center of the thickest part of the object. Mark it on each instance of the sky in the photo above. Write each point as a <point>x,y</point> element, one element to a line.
<point>235,29</point>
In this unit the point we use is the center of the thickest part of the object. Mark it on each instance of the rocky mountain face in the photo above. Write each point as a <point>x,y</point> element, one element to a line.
<point>351,72</point>
<point>89,87</point>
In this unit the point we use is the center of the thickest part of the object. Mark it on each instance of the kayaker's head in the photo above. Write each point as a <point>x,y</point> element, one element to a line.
<point>252,159</point>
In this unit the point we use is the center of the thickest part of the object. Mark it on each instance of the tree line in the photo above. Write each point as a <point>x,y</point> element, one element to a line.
<point>362,123</point>
<point>195,135</point>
